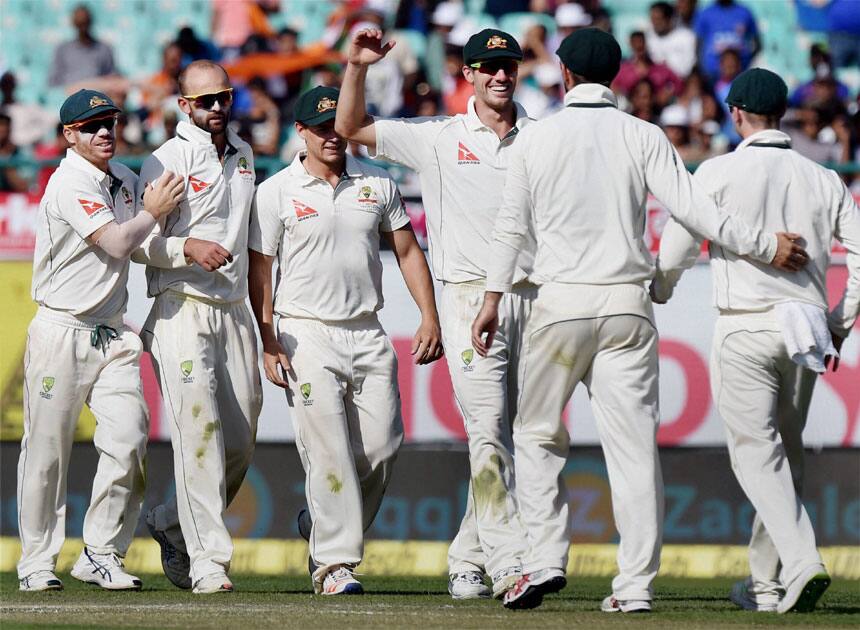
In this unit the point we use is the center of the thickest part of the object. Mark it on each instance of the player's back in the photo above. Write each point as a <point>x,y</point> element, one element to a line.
<point>774,189</point>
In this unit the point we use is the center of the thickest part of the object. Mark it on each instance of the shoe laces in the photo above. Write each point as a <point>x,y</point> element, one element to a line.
<point>341,573</point>
<point>110,559</point>
<point>472,577</point>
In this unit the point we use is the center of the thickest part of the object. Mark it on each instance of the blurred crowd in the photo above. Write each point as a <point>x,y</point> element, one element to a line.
<point>677,74</point>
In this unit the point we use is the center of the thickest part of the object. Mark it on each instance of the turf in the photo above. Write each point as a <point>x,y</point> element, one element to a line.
<point>278,602</point>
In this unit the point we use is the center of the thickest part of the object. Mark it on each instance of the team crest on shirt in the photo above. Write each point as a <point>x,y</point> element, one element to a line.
<point>305,389</point>
<point>468,356</point>
<point>243,166</point>
<point>47,386</point>
<point>126,196</point>
<point>303,211</point>
<point>496,41</point>
<point>197,184</point>
<point>91,207</point>
<point>186,367</point>
<point>366,195</point>
<point>465,156</point>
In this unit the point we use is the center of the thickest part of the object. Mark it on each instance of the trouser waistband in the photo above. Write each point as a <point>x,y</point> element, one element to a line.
<point>76,321</point>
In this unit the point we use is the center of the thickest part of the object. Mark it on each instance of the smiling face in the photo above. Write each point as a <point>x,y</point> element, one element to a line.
<point>323,143</point>
<point>494,82</point>
<point>93,140</point>
<point>203,80</point>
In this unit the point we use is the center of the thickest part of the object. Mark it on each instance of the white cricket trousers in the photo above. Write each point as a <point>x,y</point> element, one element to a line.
<point>345,407</point>
<point>205,357</point>
<point>763,398</point>
<point>491,536</point>
<point>615,357</point>
<point>62,371</point>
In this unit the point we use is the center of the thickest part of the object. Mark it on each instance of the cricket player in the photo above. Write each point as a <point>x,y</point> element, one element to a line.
<point>323,216</point>
<point>461,162</point>
<point>580,179</point>
<point>79,351</point>
<point>773,335</point>
<point>200,332</point>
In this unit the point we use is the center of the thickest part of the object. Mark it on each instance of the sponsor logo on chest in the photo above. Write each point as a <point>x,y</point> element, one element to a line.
<point>197,184</point>
<point>303,211</point>
<point>465,155</point>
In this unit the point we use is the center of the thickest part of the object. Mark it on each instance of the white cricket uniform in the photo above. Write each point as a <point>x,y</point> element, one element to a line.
<point>581,178</point>
<point>81,292</point>
<point>461,164</point>
<point>343,390</point>
<point>201,337</point>
<point>763,395</point>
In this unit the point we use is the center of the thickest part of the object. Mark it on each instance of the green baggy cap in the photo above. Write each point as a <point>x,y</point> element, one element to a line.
<point>759,91</point>
<point>491,43</point>
<point>316,106</point>
<point>591,53</point>
<point>86,104</point>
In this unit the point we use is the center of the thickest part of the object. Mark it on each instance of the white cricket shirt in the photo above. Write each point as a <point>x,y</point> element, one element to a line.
<point>775,189</point>
<point>461,164</point>
<point>216,207</point>
<point>70,274</point>
<point>581,178</point>
<point>327,239</point>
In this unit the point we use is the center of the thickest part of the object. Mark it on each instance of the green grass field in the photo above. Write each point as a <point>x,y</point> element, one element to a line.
<point>269,602</point>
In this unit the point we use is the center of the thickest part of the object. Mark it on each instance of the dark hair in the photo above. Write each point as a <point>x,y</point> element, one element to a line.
<point>665,8</point>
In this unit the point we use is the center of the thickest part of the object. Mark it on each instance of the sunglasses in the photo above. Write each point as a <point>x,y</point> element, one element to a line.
<point>510,66</point>
<point>207,101</point>
<point>94,126</point>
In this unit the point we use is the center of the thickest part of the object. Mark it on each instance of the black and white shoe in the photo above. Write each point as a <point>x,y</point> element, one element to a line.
<point>40,581</point>
<point>106,570</point>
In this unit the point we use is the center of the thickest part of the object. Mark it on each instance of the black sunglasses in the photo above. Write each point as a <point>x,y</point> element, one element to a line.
<point>94,126</point>
<point>207,101</point>
<point>510,66</point>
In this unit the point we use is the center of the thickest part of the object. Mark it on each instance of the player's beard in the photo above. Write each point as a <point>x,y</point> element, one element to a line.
<point>214,123</point>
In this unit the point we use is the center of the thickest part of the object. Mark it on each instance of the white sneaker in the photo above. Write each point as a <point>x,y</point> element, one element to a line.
<point>804,591</point>
<point>340,581</point>
<point>106,570</point>
<point>40,581</point>
<point>529,590</point>
<point>468,585</point>
<point>175,563</point>
<point>611,605</point>
<point>744,597</point>
<point>213,583</point>
<point>504,580</point>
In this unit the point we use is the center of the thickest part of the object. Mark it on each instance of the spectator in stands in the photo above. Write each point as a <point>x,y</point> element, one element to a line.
<point>164,83</point>
<point>83,57</point>
<point>685,10</point>
<point>456,91</point>
<point>723,25</point>
<point>670,43</point>
<point>546,97</point>
<point>810,93</point>
<point>699,102</point>
<point>231,25</point>
<point>123,145</point>
<point>843,32</point>
<point>665,83</point>
<point>730,67</point>
<point>30,122</point>
<point>444,18</point>
<point>568,18</point>
<point>498,8</point>
<point>813,137</point>
<point>285,89</point>
<point>676,125</point>
<point>263,119</point>
<point>643,101</point>
<point>53,150</point>
<point>10,180</point>
<point>194,48</point>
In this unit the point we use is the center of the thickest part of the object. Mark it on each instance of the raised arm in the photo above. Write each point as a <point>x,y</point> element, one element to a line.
<point>352,121</point>
<point>427,343</point>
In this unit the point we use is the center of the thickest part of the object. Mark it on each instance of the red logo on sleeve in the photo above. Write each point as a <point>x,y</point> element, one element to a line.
<point>303,211</point>
<point>197,184</point>
<point>465,156</point>
<point>90,207</point>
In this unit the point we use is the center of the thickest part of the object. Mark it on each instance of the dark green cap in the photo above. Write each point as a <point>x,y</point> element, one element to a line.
<point>591,53</point>
<point>316,106</point>
<point>86,104</point>
<point>491,43</point>
<point>759,91</point>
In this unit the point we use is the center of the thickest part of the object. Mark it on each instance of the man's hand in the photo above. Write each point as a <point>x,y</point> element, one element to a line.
<point>276,364</point>
<point>789,255</point>
<point>837,343</point>
<point>367,47</point>
<point>162,198</point>
<point>487,322</point>
<point>427,343</point>
<point>207,254</point>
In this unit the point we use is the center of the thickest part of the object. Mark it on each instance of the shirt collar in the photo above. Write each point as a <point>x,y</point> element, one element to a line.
<point>297,169</point>
<point>194,134</point>
<point>590,95</point>
<point>474,123</point>
<point>771,137</point>
<point>77,161</point>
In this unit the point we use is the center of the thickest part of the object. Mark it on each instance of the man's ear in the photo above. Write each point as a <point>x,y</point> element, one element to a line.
<point>469,74</point>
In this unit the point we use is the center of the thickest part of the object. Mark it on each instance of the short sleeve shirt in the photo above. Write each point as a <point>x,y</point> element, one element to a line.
<point>69,273</point>
<point>461,164</point>
<point>326,239</point>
